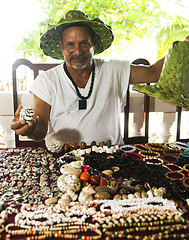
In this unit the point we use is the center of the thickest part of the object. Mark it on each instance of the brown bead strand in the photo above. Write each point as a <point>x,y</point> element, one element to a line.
<point>67,231</point>
<point>164,228</point>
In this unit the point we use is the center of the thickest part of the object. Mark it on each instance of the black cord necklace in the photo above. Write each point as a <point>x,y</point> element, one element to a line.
<point>82,100</point>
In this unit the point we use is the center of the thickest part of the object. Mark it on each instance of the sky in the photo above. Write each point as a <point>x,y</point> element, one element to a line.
<point>173,7</point>
<point>16,17</point>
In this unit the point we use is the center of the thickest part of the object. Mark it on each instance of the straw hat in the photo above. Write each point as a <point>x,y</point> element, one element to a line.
<point>50,40</point>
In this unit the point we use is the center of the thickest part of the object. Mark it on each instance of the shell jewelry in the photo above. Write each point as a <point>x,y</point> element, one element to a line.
<point>27,114</point>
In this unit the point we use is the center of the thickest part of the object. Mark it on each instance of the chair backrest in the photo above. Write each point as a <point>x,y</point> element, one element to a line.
<point>137,139</point>
<point>145,138</point>
<point>35,67</point>
<point>179,115</point>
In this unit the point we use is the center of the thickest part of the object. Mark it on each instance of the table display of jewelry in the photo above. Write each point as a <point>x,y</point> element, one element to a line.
<point>95,192</point>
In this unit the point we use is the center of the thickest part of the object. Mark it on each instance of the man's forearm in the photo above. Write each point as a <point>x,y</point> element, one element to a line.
<point>146,74</point>
<point>158,68</point>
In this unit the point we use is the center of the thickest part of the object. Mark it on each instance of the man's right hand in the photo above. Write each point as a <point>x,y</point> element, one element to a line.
<point>21,127</point>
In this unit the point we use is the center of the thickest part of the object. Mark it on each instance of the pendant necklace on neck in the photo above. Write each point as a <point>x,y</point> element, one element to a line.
<point>82,100</point>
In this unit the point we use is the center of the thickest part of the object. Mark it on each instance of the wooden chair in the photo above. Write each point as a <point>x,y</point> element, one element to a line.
<point>35,67</point>
<point>144,139</point>
<point>179,115</point>
<point>137,139</point>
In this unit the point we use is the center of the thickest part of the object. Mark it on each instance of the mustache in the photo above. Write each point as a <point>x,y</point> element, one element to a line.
<point>83,57</point>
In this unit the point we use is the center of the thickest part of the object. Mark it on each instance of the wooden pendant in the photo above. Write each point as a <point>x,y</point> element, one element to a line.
<point>82,104</point>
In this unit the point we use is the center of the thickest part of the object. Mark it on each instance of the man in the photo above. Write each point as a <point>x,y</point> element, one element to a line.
<point>83,97</point>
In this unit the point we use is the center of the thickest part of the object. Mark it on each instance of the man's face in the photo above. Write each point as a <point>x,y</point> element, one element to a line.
<point>77,47</point>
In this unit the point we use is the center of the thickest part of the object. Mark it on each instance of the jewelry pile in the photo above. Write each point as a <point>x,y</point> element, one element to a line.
<point>95,192</point>
<point>131,215</point>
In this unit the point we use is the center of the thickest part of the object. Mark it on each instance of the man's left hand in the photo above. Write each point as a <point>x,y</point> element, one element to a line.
<point>186,38</point>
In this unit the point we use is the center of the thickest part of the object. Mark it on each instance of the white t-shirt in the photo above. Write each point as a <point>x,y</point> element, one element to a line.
<point>101,120</point>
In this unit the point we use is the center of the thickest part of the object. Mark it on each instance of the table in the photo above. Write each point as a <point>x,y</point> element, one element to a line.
<point>28,179</point>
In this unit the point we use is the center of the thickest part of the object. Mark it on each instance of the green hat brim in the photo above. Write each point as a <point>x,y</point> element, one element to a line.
<point>49,41</point>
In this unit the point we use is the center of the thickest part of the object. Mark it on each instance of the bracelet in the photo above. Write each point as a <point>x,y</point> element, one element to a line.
<point>149,154</point>
<point>173,167</point>
<point>134,156</point>
<point>185,154</point>
<point>185,182</point>
<point>186,167</point>
<point>155,161</point>
<point>174,175</point>
<point>140,147</point>
<point>169,158</point>
<point>172,146</point>
<point>127,148</point>
<point>182,145</point>
<point>158,147</point>
<point>156,168</point>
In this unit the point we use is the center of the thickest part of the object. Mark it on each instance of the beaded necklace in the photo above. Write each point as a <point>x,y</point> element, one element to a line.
<point>82,100</point>
<point>66,231</point>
